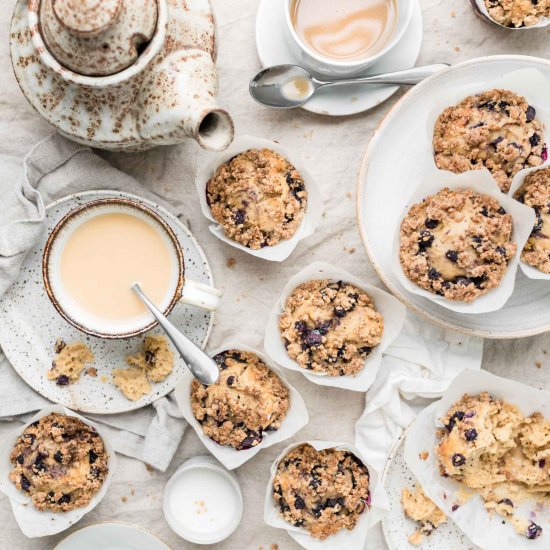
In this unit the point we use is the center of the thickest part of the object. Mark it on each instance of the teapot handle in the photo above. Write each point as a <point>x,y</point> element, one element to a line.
<point>178,99</point>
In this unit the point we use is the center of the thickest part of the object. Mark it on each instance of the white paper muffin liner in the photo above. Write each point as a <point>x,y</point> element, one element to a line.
<point>314,208</point>
<point>482,182</point>
<point>297,416</point>
<point>389,307</point>
<point>485,530</point>
<point>544,21</point>
<point>529,83</point>
<point>344,539</point>
<point>31,521</point>
<point>528,270</point>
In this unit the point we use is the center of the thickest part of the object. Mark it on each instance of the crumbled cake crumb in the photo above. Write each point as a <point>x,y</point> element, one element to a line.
<point>418,507</point>
<point>69,362</point>
<point>91,371</point>
<point>424,455</point>
<point>231,263</point>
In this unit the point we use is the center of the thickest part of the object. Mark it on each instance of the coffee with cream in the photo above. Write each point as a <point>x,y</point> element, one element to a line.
<point>107,253</point>
<point>344,30</point>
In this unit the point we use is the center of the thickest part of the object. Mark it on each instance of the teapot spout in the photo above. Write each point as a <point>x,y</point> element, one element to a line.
<point>178,100</point>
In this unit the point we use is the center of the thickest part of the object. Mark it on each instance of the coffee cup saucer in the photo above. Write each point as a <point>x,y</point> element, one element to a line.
<point>31,325</point>
<point>273,49</point>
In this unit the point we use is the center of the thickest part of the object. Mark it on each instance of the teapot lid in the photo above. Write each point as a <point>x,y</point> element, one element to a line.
<point>97,37</point>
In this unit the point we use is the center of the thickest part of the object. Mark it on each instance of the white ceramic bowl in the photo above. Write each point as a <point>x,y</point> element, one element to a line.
<point>396,160</point>
<point>339,68</point>
<point>206,464</point>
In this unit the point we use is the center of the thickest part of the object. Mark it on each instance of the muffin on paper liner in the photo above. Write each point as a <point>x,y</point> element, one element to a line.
<point>481,182</point>
<point>544,21</point>
<point>313,211</point>
<point>388,306</point>
<point>344,539</point>
<point>529,83</point>
<point>31,521</point>
<point>488,531</point>
<point>527,269</point>
<point>296,418</point>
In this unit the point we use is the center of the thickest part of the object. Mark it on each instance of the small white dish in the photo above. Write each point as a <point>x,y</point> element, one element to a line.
<point>202,501</point>
<point>273,49</point>
<point>395,163</point>
<point>396,526</point>
<point>296,418</point>
<point>28,339</point>
<point>116,535</point>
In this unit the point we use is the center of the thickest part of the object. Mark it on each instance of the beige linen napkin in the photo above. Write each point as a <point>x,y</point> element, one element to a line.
<point>54,168</point>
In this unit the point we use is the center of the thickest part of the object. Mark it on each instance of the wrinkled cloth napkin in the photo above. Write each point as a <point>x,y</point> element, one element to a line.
<point>416,369</point>
<point>53,169</point>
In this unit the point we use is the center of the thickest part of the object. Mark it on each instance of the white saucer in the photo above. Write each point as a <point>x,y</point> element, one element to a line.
<point>273,50</point>
<point>112,536</point>
<point>396,526</point>
<point>31,325</point>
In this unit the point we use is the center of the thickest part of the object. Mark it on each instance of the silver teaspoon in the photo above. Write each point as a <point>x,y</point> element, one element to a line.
<point>202,367</point>
<point>289,86</point>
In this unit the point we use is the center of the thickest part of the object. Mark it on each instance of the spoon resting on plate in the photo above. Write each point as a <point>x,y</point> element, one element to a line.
<point>290,86</point>
<point>202,367</point>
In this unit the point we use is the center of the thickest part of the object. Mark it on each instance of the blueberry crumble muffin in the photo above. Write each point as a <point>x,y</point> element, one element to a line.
<point>518,13</point>
<point>497,130</point>
<point>258,198</point>
<point>457,244</point>
<point>60,462</point>
<point>535,192</point>
<point>153,363</point>
<point>322,491</point>
<point>330,327</point>
<point>248,400</point>
<point>491,447</point>
<point>69,362</point>
<point>418,507</point>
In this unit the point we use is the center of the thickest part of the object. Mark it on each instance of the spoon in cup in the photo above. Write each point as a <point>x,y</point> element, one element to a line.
<point>202,367</point>
<point>290,86</point>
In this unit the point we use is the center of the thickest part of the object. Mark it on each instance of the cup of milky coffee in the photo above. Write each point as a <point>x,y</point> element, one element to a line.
<point>99,250</point>
<point>343,37</point>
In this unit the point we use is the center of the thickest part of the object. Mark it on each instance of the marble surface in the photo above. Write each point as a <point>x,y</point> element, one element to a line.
<point>333,149</point>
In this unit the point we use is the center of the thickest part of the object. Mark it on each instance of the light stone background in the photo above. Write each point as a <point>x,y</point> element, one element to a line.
<point>333,149</point>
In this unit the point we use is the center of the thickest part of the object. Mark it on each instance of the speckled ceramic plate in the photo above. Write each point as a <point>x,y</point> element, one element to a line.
<point>30,324</point>
<point>396,527</point>
<point>397,159</point>
<point>274,50</point>
<point>115,535</point>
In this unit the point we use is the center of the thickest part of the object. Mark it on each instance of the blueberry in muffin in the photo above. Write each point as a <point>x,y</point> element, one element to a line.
<point>490,446</point>
<point>497,130</point>
<point>457,244</point>
<point>535,192</point>
<point>322,491</point>
<point>418,507</point>
<point>60,462</point>
<point>258,197</point>
<point>518,13</point>
<point>330,327</point>
<point>247,401</point>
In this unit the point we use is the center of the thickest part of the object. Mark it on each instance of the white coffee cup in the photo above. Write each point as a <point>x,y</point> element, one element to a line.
<point>180,290</point>
<point>329,67</point>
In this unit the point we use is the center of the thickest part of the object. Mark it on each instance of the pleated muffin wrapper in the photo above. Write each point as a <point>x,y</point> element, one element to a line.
<point>392,310</point>
<point>488,531</point>
<point>312,214</point>
<point>529,83</point>
<point>344,539</point>
<point>483,183</point>
<point>296,418</point>
<point>527,269</point>
<point>544,21</point>
<point>31,521</point>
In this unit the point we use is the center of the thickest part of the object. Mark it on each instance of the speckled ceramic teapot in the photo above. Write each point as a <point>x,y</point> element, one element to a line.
<point>121,74</point>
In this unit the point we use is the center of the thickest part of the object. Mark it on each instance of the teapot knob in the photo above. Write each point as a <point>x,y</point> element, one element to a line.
<point>87,17</point>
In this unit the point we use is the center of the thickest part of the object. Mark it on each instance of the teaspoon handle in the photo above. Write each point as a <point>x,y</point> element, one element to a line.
<point>201,366</point>
<point>406,77</point>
